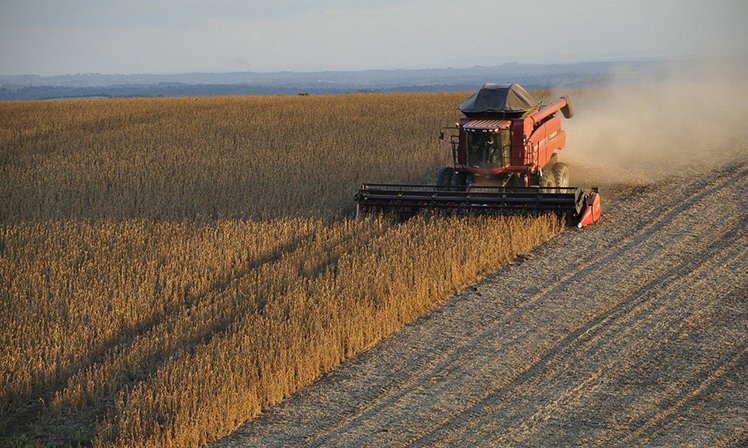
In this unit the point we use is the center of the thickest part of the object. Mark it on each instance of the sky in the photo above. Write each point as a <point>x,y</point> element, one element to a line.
<point>55,37</point>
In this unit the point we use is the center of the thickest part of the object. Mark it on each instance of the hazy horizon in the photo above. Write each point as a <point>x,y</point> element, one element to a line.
<point>611,60</point>
<point>48,38</point>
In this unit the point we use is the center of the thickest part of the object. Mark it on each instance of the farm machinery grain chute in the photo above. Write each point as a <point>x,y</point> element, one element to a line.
<point>504,160</point>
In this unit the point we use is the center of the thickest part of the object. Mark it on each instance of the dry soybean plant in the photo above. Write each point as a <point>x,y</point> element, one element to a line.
<point>170,267</point>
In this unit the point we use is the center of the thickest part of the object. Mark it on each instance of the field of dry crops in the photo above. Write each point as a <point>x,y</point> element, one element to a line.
<point>171,267</point>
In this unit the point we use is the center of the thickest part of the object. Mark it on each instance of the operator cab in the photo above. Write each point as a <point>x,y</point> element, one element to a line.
<point>487,143</point>
<point>487,149</point>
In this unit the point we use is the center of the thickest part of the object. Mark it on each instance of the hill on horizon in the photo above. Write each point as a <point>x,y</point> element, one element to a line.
<point>531,76</point>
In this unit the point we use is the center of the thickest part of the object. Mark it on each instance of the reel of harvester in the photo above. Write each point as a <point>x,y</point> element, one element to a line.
<point>577,206</point>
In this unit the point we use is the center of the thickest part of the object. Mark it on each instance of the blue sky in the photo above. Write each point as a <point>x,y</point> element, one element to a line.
<point>51,37</point>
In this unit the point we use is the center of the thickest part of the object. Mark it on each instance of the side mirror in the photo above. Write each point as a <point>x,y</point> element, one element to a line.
<point>441,135</point>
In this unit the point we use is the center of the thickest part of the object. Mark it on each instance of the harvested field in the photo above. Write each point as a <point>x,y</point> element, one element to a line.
<point>632,332</point>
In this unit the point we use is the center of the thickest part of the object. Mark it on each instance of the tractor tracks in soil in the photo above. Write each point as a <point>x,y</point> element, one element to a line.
<point>632,332</point>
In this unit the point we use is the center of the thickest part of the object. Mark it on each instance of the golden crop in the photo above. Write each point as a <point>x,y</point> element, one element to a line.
<point>170,267</point>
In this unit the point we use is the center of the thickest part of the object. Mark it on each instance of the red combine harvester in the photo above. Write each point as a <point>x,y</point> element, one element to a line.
<point>504,152</point>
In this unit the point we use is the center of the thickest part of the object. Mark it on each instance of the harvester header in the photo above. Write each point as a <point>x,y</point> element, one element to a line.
<point>505,159</point>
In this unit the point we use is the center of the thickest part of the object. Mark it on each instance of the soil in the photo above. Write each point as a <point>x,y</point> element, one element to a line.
<point>630,332</point>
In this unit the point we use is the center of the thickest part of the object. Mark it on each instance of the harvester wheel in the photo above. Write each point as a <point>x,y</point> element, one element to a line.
<point>444,179</point>
<point>548,180</point>
<point>461,180</point>
<point>561,174</point>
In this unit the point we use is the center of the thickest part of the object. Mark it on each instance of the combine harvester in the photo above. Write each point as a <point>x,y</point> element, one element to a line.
<point>505,161</point>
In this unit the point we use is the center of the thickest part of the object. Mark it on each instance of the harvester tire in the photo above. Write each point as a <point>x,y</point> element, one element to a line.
<point>548,180</point>
<point>444,179</point>
<point>561,174</point>
<point>461,180</point>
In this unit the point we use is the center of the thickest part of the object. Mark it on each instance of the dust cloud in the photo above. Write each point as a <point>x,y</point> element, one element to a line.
<point>639,133</point>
